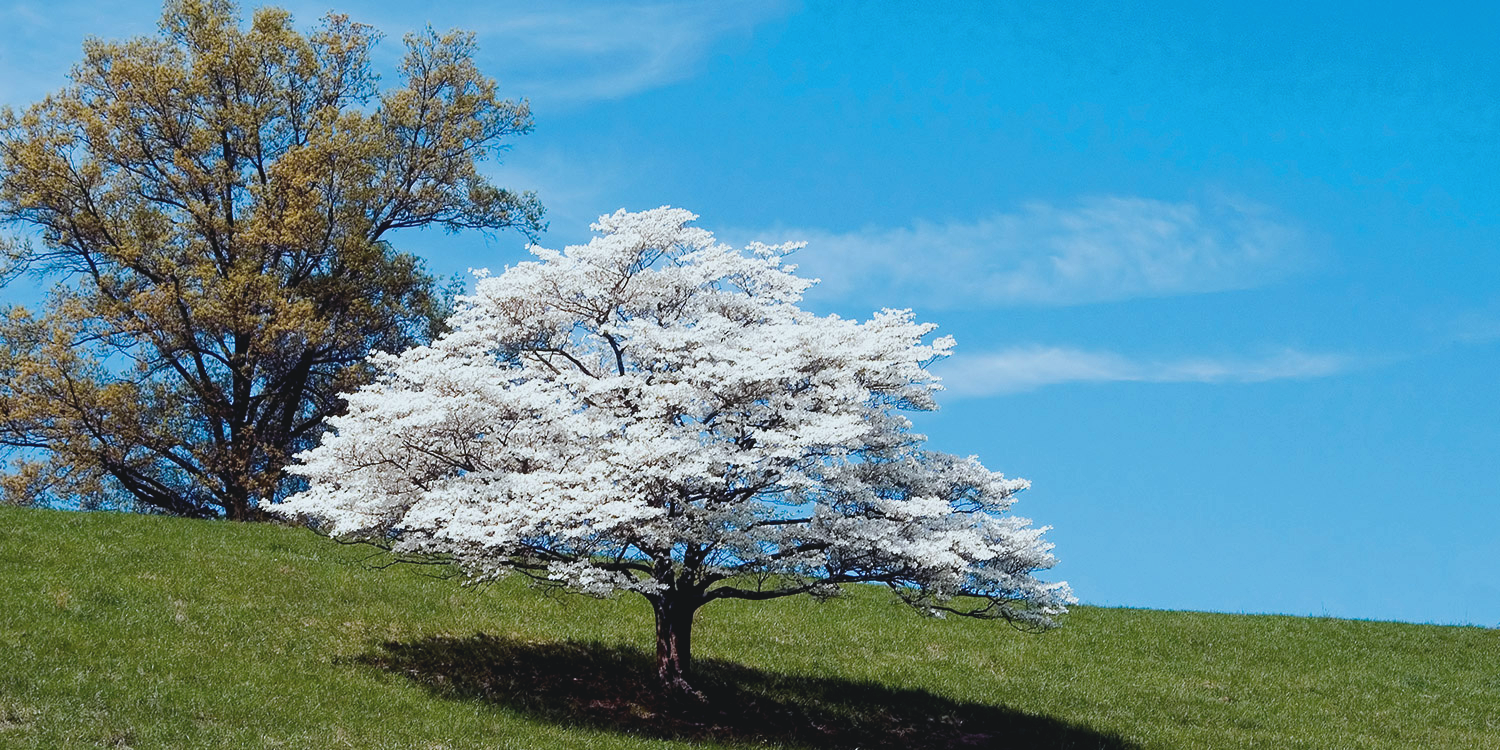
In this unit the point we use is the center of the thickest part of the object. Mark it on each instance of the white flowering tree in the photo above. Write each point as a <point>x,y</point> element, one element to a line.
<point>654,413</point>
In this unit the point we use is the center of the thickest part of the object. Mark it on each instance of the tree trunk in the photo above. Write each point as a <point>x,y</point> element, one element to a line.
<point>674,642</point>
<point>237,505</point>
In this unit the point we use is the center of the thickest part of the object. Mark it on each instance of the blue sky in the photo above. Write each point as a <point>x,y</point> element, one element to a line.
<point>1226,284</point>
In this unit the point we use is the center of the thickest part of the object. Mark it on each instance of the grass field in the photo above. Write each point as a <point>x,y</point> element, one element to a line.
<point>132,631</point>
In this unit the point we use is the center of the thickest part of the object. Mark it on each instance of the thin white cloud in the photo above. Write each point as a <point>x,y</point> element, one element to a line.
<point>613,50</point>
<point>1097,250</point>
<point>1028,368</point>
<point>557,54</point>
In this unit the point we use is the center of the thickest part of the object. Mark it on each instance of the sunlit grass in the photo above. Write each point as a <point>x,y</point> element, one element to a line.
<point>131,631</point>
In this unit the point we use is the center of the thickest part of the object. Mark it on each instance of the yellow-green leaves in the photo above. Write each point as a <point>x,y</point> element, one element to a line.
<point>214,204</point>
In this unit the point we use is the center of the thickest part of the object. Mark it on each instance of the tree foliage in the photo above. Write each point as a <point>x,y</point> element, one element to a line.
<point>216,205</point>
<point>654,413</point>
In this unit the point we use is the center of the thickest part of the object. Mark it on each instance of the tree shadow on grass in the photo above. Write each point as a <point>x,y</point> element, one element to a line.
<point>613,688</point>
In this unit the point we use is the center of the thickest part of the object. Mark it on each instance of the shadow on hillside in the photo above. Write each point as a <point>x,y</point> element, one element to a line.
<point>612,688</point>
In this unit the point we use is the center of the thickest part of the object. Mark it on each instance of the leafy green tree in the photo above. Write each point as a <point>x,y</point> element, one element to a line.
<point>214,206</point>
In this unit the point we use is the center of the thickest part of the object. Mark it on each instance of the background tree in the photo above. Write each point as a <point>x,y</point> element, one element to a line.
<point>654,413</point>
<point>216,203</point>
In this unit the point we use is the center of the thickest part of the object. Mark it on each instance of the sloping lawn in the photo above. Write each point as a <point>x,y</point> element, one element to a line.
<point>145,632</point>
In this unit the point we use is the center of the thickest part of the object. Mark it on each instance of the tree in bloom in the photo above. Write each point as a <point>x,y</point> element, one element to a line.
<point>654,413</point>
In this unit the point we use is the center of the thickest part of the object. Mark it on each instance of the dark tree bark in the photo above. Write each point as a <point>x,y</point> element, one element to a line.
<point>674,640</point>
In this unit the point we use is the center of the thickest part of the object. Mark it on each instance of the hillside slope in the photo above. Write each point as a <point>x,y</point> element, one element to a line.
<point>144,632</point>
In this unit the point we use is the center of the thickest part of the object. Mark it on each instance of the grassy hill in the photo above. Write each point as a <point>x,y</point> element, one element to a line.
<point>131,631</point>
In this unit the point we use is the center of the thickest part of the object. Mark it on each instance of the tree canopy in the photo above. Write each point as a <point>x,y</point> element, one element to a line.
<point>215,205</point>
<point>653,412</point>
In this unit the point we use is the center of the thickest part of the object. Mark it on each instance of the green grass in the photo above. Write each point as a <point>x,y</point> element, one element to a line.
<point>143,632</point>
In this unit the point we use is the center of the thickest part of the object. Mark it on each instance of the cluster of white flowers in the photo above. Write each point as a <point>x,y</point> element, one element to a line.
<point>653,411</point>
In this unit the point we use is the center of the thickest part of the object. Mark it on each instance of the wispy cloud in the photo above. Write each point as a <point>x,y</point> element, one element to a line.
<point>611,50</point>
<point>1098,249</point>
<point>559,54</point>
<point>1029,368</point>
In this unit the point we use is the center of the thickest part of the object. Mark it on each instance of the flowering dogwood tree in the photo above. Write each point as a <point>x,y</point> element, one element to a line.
<point>654,413</point>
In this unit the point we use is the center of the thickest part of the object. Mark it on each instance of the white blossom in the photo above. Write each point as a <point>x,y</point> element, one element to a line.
<point>654,412</point>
